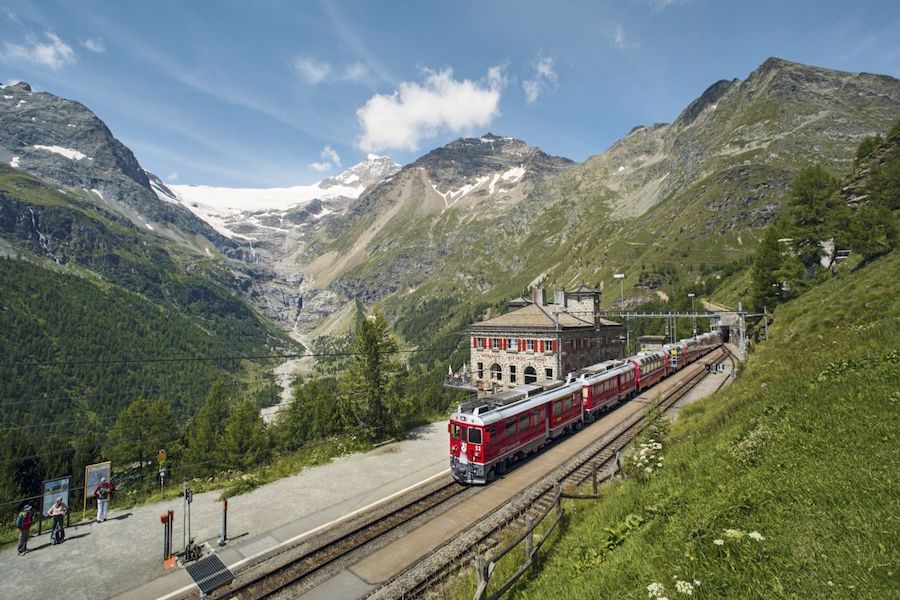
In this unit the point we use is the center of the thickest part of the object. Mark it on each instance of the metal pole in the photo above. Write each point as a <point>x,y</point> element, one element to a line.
<point>766,321</point>
<point>224,537</point>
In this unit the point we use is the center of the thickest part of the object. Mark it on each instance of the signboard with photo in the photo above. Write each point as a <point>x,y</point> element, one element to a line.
<point>92,476</point>
<point>53,489</point>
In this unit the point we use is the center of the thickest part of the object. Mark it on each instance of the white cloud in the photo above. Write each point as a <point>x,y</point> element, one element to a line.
<point>416,111</point>
<point>311,70</point>
<point>173,176</point>
<point>664,4</point>
<point>544,79</point>
<point>314,71</point>
<point>95,45</point>
<point>357,73</point>
<point>616,37</point>
<point>54,53</point>
<point>330,158</point>
<point>329,154</point>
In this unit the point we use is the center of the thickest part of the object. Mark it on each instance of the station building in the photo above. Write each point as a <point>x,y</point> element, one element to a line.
<point>537,341</point>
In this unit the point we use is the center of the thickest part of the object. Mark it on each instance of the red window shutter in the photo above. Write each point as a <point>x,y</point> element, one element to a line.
<point>519,344</point>
<point>503,343</point>
<point>554,343</point>
<point>474,342</point>
<point>541,346</point>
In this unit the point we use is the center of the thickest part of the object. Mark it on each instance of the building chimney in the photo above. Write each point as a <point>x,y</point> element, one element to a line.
<point>537,295</point>
<point>559,298</point>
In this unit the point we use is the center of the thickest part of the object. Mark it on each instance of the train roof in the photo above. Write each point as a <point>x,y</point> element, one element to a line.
<point>485,411</point>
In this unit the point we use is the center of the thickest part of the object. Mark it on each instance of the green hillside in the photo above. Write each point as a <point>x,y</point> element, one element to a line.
<point>94,314</point>
<point>782,486</point>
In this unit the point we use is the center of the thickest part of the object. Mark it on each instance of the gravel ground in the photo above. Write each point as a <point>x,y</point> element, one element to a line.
<point>99,560</point>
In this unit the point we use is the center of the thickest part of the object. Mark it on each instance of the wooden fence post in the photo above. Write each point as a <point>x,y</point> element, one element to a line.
<point>481,576</point>
<point>529,538</point>
<point>594,482</point>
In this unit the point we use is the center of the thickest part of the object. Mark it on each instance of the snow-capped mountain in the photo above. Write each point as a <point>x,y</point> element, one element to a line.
<point>239,212</point>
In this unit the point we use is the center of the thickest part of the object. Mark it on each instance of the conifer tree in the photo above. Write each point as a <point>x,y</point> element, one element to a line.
<point>368,397</point>
<point>206,430</point>
<point>815,213</point>
<point>245,441</point>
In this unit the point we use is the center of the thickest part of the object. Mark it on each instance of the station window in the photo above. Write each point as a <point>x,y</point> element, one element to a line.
<point>510,344</point>
<point>474,435</point>
<point>529,345</point>
<point>495,343</point>
<point>548,373</point>
<point>512,373</point>
<point>480,370</point>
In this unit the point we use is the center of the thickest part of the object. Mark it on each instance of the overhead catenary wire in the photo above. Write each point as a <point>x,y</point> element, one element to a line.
<point>128,361</point>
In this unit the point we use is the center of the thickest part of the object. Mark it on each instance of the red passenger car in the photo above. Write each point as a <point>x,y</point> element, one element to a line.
<point>605,385</point>
<point>489,434</point>
<point>651,368</point>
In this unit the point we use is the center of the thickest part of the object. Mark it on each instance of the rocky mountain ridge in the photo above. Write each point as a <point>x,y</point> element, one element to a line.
<point>62,142</point>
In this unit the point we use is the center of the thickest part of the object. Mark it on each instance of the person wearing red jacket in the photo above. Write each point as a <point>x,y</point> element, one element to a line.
<point>102,494</point>
<point>23,524</point>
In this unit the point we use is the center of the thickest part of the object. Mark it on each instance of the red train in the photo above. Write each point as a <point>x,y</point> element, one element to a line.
<point>489,434</point>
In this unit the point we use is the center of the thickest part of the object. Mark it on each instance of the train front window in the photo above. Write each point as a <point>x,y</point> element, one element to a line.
<point>455,431</point>
<point>474,435</point>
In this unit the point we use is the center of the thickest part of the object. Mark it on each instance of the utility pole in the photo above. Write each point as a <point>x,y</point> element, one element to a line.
<point>691,296</point>
<point>621,278</point>
<point>766,321</point>
<point>743,344</point>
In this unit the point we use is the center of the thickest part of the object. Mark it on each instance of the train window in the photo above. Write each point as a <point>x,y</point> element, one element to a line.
<point>455,431</point>
<point>492,433</point>
<point>510,428</point>
<point>474,435</point>
<point>585,392</point>
<point>557,407</point>
<point>567,403</point>
<point>523,423</point>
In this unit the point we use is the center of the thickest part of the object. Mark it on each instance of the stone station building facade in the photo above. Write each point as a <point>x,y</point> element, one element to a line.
<point>537,342</point>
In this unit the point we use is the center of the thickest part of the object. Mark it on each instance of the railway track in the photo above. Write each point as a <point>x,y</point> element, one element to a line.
<point>297,569</point>
<point>538,498</point>
<point>301,566</point>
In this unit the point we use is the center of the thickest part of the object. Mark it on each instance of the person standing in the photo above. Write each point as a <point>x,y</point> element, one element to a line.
<point>23,524</point>
<point>102,494</point>
<point>57,512</point>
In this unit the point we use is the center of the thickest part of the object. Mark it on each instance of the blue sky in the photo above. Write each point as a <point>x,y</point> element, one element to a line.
<point>275,93</point>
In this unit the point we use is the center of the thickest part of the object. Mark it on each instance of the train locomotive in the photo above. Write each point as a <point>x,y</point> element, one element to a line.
<point>490,434</point>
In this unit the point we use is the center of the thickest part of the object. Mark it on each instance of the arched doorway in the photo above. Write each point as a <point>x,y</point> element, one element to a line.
<point>530,375</point>
<point>496,372</point>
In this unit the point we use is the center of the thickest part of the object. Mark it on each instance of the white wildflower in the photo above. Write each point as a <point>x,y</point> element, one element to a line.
<point>756,536</point>
<point>656,590</point>
<point>735,534</point>
<point>696,583</point>
<point>658,465</point>
<point>684,587</point>
<point>719,542</point>
<point>648,469</point>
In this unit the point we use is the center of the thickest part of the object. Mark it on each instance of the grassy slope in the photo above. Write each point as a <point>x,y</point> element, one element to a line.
<point>803,449</point>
